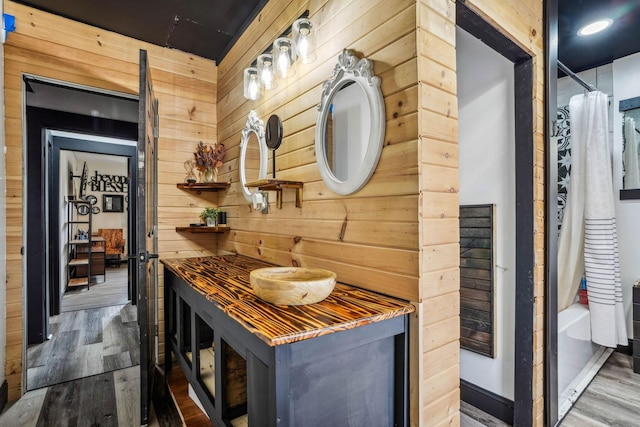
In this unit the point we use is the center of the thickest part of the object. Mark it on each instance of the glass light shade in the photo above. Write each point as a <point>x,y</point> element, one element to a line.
<point>252,86</point>
<point>266,71</point>
<point>304,40</point>
<point>283,57</point>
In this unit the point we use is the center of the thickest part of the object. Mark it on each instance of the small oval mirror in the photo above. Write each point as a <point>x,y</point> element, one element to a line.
<point>253,154</point>
<point>273,132</point>
<point>351,125</point>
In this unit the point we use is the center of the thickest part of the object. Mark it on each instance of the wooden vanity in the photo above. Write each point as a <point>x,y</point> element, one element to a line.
<point>342,361</point>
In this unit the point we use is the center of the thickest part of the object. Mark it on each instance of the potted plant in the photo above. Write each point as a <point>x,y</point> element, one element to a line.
<point>210,216</point>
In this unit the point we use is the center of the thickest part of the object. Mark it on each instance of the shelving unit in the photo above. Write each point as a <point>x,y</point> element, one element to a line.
<point>85,257</point>
<point>271,184</point>
<point>198,188</point>
<point>74,263</point>
<point>203,229</point>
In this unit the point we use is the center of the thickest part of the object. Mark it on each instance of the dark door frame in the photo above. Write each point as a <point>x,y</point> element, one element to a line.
<point>471,22</point>
<point>86,146</point>
<point>38,119</point>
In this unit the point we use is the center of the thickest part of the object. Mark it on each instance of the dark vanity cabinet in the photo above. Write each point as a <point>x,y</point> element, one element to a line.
<point>343,361</point>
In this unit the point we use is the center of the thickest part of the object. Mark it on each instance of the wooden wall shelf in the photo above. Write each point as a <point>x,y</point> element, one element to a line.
<point>271,184</point>
<point>203,229</point>
<point>199,187</point>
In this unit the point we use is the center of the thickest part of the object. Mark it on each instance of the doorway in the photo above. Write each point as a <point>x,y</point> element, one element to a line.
<point>63,123</point>
<point>504,88</point>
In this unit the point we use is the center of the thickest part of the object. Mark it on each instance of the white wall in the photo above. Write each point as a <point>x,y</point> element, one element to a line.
<point>626,84</point>
<point>487,175</point>
<point>107,165</point>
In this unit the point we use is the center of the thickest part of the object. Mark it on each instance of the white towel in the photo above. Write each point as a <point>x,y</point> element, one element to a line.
<point>631,171</point>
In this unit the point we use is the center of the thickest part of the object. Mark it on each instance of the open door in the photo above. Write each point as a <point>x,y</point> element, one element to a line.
<point>146,231</point>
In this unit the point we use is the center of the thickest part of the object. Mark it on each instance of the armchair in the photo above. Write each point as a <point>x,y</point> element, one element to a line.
<point>115,244</point>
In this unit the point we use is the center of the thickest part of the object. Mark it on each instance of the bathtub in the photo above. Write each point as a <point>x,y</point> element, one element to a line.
<point>579,359</point>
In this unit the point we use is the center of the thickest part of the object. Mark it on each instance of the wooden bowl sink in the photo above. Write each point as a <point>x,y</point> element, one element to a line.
<point>292,285</point>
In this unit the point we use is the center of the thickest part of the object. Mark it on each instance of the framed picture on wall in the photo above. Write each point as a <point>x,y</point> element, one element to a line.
<point>112,203</point>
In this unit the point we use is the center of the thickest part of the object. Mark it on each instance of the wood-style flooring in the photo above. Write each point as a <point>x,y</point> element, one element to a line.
<point>470,416</point>
<point>105,400</point>
<point>83,343</point>
<point>612,398</point>
<point>113,291</point>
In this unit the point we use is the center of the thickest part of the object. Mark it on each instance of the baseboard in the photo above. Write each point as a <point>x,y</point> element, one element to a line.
<point>487,401</point>
<point>4,395</point>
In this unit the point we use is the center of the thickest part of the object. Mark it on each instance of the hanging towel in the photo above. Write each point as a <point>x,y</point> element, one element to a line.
<point>589,125</point>
<point>631,171</point>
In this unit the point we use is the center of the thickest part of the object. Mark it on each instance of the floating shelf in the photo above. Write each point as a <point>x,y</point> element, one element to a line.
<point>199,187</point>
<point>271,184</point>
<point>203,229</point>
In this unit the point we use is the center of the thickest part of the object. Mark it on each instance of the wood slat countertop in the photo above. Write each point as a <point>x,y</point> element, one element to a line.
<point>224,280</point>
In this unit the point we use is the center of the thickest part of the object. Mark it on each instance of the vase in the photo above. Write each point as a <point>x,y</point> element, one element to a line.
<point>211,222</point>
<point>210,175</point>
<point>189,165</point>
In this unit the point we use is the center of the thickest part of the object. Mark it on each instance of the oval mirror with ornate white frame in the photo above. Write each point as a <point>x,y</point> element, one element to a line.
<point>253,154</point>
<point>351,125</point>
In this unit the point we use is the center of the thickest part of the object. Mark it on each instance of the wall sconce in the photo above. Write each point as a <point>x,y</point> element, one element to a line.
<point>264,71</point>
<point>252,86</point>
<point>304,40</point>
<point>284,56</point>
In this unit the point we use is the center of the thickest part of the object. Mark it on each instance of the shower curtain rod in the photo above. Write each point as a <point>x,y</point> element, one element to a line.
<point>575,77</point>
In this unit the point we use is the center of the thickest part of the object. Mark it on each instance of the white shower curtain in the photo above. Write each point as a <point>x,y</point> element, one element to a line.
<point>588,243</point>
<point>631,171</point>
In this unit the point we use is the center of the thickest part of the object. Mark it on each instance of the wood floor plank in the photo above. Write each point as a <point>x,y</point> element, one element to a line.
<point>127,391</point>
<point>113,291</point>
<point>612,398</point>
<point>93,326</point>
<point>26,411</point>
<point>98,401</point>
<point>86,342</point>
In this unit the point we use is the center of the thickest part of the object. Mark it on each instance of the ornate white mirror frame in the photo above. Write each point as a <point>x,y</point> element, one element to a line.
<point>255,125</point>
<point>351,69</point>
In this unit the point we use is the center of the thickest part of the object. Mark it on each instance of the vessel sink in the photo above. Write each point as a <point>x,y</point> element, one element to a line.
<point>292,285</point>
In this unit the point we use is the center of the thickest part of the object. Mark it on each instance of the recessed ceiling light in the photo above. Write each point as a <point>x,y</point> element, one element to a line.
<point>595,27</point>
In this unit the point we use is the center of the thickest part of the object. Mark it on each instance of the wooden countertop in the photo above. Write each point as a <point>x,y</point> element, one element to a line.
<point>224,281</point>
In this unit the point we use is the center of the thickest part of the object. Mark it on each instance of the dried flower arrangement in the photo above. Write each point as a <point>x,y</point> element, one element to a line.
<point>208,157</point>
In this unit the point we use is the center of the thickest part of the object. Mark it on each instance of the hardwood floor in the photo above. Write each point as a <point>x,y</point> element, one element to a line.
<point>113,291</point>
<point>612,398</point>
<point>85,342</point>
<point>471,416</point>
<point>109,399</point>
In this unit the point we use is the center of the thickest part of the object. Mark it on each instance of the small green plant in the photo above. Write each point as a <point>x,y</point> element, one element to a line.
<point>209,212</point>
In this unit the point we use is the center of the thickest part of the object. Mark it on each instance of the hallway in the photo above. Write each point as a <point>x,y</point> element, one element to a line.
<point>88,372</point>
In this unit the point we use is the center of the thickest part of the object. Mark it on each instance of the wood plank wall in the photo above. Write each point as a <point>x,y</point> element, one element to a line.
<point>370,238</point>
<point>521,21</point>
<point>58,48</point>
<point>439,228</point>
